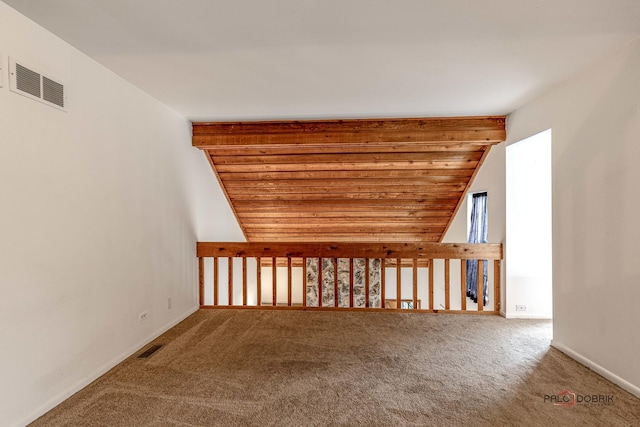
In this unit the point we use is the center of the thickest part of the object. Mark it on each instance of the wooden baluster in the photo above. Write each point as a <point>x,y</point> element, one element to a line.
<point>215,281</point>
<point>447,285</point>
<point>289,281</point>
<point>463,284</point>
<point>496,284</point>
<point>320,282</point>
<point>274,281</point>
<point>201,280</point>
<point>335,282</point>
<point>304,282</point>
<point>230,264</point>
<point>351,282</point>
<point>480,290</point>
<point>366,282</point>
<point>415,284</point>
<point>259,281</point>
<point>398,284</point>
<point>383,280</point>
<point>431,293</point>
<point>244,281</point>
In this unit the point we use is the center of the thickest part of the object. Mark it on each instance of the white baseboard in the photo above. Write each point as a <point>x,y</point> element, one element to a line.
<point>525,315</point>
<point>61,397</point>
<point>635,390</point>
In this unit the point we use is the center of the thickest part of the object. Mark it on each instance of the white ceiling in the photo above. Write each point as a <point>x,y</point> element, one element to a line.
<point>283,59</point>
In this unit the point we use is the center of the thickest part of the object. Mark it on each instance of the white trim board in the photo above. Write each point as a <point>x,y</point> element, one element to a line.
<point>626,385</point>
<point>61,397</point>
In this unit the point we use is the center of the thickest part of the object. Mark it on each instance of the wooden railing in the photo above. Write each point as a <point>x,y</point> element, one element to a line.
<point>425,277</point>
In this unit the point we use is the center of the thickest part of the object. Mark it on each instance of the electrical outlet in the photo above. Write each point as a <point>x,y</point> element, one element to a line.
<point>169,303</point>
<point>143,316</point>
<point>521,307</point>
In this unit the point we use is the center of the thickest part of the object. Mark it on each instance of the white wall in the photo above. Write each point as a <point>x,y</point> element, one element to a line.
<point>528,197</point>
<point>100,209</point>
<point>595,119</point>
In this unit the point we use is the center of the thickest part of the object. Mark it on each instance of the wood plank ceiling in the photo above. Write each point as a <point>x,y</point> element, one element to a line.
<point>374,180</point>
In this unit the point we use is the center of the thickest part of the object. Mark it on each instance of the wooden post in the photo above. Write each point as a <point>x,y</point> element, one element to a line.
<point>274,282</point>
<point>367,282</point>
<point>244,281</point>
<point>480,291</point>
<point>496,283</point>
<point>398,284</point>
<point>415,284</point>
<point>335,282</point>
<point>463,284</point>
<point>383,280</point>
<point>304,282</point>
<point>215,281</point>
<point>350,282</point>
<point>447,285</point>
<point>289,281</point>
<point>259,281</point>
<point>320,282</point>
<point>431,304</point>
<point>201,280</point>
<point>230,264</point>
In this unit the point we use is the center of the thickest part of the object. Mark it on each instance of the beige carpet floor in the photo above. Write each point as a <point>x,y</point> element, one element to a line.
<point>293,368</point>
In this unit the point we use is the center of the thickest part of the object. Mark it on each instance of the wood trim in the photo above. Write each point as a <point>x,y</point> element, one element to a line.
<point>345,309</point>
<point>383,282</point>
<point>216,272</point>
<point>399,283</point>
<point>431,285</point>
<point>497,290</point>
<point>367,281</point>
<point>351,282</point>
<point>274,282</point>
<point>201,280</point>
<point>304,282</point>
<point>480,290</point>
<point>335,283</point>
<point>485,130</point>
<point>244,281</point>
<point>447,284</point>
<point>425,250</point>
<point>415,284</point>
<point>230,274</point>
<point>463,284</point>
<point>289,284</point>
<point>259,281</point>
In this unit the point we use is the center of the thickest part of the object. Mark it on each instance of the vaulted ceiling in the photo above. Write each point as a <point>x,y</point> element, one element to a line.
<point>393,180</point>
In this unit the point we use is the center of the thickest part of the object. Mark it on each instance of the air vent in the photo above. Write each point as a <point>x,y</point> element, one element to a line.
<point>32,84</point>
<point>150,351</point>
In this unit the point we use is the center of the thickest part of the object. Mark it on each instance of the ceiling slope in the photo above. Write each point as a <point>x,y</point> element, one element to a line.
<point>378,180</point>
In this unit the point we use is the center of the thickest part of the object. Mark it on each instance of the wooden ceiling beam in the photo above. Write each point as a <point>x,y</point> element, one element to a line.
<point>487,130</point>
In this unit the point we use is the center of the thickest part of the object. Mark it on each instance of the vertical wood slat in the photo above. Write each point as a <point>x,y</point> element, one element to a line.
<point>367,283</point>
<point>496,283</point>
<point>320,282</point>
<point>480,291</point>
<point>335,283</point>
<point>215,281</point>
<point>244,281</point>
<point>398,284</point>
<point>304,282</point>
<point>351,273</point>
<point>274,282</point>
<point>415,284</point>
<point>201,280</point>
<point>431,304</point>
<point>259,281</point>
<point>447,285</point>
<point>230,269</point>
<point>463,284</point>
<point>289,281</point>
<point>383,280</point>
